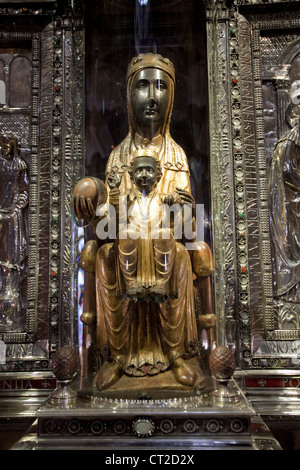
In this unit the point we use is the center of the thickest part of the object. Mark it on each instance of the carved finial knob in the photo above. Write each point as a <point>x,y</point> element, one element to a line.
<point>222,366</point>
<point>222,363</point>
<point>64,363</point>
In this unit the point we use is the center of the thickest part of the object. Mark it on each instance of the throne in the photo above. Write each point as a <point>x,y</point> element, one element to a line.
<point>202,267</point>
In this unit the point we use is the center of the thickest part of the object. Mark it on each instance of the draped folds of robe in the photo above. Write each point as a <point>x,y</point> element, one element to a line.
<point>144,338</point>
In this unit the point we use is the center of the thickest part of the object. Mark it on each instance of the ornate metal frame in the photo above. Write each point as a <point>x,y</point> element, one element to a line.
<point>243,279</point>
<point>57,155</point>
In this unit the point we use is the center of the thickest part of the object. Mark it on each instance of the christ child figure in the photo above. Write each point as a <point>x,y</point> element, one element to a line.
<point>146,247</point>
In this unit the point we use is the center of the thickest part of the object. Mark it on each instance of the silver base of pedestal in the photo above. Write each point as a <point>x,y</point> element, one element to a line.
<point>225,393</point>
<point>63,394</point>
<point>168,421</point>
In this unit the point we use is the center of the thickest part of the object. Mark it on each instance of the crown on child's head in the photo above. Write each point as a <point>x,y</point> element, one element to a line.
<point>144,152</point>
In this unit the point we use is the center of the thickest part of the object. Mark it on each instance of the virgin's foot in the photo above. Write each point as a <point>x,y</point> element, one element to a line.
<point>183,373</point>
<point>109,374</point>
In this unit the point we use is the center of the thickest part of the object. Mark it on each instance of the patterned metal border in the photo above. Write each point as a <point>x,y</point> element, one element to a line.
<point>157,427</point>
<point>56,163</point>
<point>29,126</point>
<point>243,276</point>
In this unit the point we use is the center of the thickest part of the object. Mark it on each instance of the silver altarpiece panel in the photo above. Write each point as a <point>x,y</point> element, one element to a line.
<point>254,106</point>
<point>42,113</point>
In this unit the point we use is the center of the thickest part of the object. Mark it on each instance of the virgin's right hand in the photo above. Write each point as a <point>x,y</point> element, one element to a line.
<point>83,207</point>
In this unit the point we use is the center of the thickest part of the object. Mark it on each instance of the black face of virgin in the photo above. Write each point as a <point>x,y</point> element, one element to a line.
<point>150,98</point>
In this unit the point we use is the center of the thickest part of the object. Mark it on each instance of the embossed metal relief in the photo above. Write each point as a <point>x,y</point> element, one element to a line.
<point>221,156</point>
<point>262,50</point>
<point>15,102</point>
<point>276,72</point>
<point>281,99</point>
<point>17,55</point>
<point>41,74</point>
<point>14,185</point>
<point>145,427</point>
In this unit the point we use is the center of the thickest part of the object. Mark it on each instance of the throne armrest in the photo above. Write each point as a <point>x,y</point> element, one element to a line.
<point>203,267</point>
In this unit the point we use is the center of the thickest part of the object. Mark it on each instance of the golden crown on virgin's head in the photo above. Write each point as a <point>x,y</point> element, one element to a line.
<point>150,60</point>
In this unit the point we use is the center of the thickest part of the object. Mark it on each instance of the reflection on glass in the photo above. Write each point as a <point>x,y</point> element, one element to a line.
<point>2,92</point>
<point>230,332</point>
<point>80,284</point>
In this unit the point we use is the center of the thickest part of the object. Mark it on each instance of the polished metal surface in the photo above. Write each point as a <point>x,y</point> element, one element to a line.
<point>249,110</point>
<point>178,422</point>
<point>35,88</point>
<point>273,393</point>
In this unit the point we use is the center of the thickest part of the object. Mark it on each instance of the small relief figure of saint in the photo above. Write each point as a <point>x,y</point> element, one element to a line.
<point>13,235</point>
<point>285,214</point>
